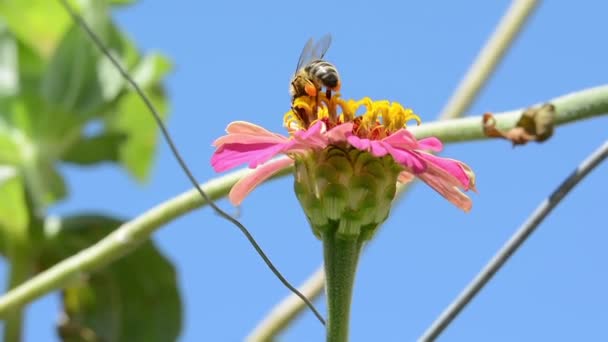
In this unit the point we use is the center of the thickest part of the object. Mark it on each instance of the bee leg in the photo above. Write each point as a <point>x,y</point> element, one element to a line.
<point>299,113</point>
<point>328,94</point>
<point>310,89</point>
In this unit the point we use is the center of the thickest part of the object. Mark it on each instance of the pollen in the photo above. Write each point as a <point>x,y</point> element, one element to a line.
<point>372,119</point>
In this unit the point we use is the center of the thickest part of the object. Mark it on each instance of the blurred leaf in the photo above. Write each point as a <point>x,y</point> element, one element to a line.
<point>14,214</point>
<point>38,23</point>
<point>133,119</point>
<point>54,184</point>
<point>122,2</point>
<point>31,67</point>
<point>95,149</point>
<point>79,78</point>
<point>70,83</point>
<point>24,108</point>
<point>9,82</point>
<point>44,183</point>
<point>151,70</point>
<point>9,154</point>
<point>134,299</point>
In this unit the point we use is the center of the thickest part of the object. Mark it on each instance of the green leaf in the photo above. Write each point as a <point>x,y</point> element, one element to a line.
<point>44,183</point>
<point>151,70</point>
<point>70,83</point>
<point>95,149</point>
<point>14,214</point>
<point>23,110</point>
<point>133,119</point>
<point>121,2</point>
<point>54,185</point>
<point>38,23</point>
<point>133,299</point>
<point>9,80</point>
<point>79,78</point>
<point>9,154</point>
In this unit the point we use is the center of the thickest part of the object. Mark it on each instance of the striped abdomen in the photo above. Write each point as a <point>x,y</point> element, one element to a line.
<point>323,72</point>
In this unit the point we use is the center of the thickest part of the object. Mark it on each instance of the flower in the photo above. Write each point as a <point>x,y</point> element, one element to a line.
<point>337,153</point>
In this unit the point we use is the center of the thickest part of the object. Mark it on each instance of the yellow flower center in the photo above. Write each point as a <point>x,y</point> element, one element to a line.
<point>380,119</point>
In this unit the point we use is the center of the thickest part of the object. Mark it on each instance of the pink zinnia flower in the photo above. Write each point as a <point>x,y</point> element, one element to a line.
<point>315,127</point>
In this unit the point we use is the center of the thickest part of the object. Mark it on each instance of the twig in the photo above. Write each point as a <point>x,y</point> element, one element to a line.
<point>516,240</point>
<point>488,58</point>
<point>288,309</point>
<point>579,105</point>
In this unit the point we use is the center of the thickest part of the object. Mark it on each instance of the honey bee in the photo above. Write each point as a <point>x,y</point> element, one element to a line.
<point>313,73</point>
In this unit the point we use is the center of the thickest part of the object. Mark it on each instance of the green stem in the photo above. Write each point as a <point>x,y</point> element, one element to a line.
<point>341,256</point>
<point>20,271</point>
<point>488,58</point>
<point>580,105</point>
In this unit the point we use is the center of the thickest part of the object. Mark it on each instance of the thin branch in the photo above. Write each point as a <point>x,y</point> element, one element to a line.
<point>488,58</point>
<point>165,132</point>
<point>288,309</point>
<point>577,106</point>
<point>517,239</point>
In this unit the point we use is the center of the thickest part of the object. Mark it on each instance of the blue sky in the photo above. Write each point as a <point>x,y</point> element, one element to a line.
<point>233,61</point>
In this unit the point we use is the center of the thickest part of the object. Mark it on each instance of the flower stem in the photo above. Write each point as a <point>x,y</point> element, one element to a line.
<point>341,256</point>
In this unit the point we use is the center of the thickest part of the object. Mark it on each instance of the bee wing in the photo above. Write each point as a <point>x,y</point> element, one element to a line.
<point>314,50</point>
<point>306,55</point>
<point>322,46</point>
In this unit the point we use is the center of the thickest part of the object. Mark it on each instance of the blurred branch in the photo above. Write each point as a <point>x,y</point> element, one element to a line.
<point>516,240</point>
<point>488,58</point>
<point>576,106</point>
<point>288,309</point>
<point>118,243</point>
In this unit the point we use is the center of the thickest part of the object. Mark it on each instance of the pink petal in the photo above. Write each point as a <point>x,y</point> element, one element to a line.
<point>451,166</point>
<point>229,156</point>
<point>247,139</point>
<point>245,132</point>
<point>441,182</point>
<point>431,143</point>
<point>244,127</point>
<point>377,149</point>
<point>358,143</point>
<point>405,177</point>
<point>402,139</point>
<point>408,158</point>
<point>246,184</point>
<point>340,132</point>
<point>313,137</point>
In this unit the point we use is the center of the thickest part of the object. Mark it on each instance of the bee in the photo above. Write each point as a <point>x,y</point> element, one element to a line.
<point>313,73</point>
